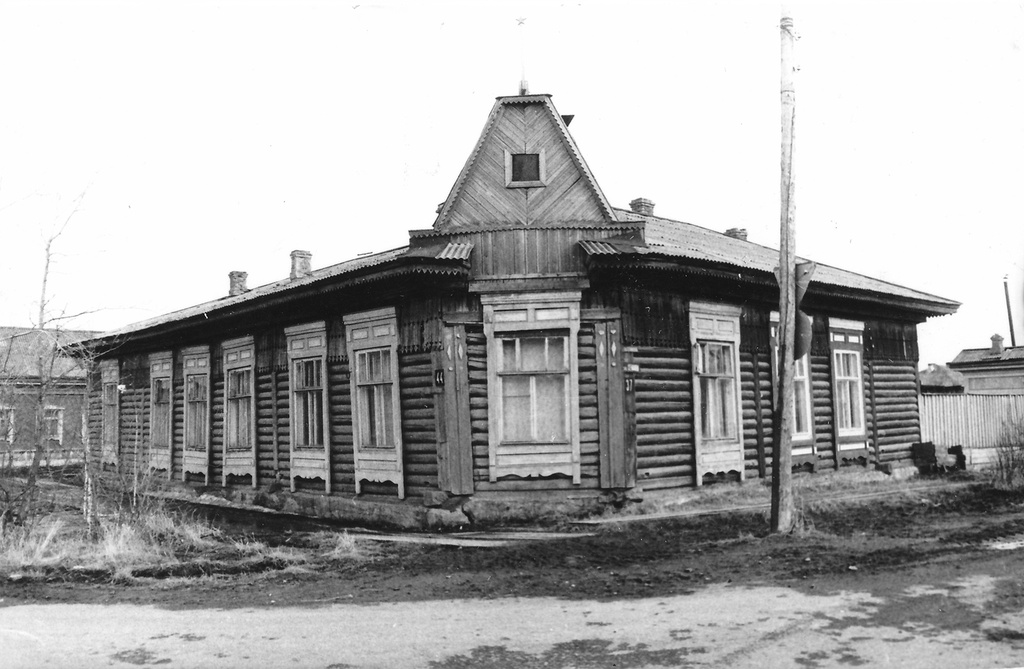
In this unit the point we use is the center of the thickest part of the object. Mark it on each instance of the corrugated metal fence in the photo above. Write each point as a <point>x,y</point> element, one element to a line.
<point>977,422</point>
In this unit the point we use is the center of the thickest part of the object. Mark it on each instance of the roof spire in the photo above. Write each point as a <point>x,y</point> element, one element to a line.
<point>524,86</point>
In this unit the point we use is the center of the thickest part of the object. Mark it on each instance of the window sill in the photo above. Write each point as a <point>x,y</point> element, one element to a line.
<point>525,184</point>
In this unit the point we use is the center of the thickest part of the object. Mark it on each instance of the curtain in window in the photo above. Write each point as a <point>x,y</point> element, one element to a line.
<point>717,375</point>
<point>533,375</point>
<point>849,393</point>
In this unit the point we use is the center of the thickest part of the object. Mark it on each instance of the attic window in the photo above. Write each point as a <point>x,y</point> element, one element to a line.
<point>524,170</point>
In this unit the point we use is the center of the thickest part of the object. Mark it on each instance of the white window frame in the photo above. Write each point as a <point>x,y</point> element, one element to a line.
<point>712,322</point>
<point>805,396</point>
<point>511,183</point>
<point>520,315</point>
<point>195,458</point>
<point>46,420</point>
<point>110,430</point>
<point>847,337</point>
<point>239,356</point>
<point>307,343</point>
<point>364,332</point>
<point>161,368</point>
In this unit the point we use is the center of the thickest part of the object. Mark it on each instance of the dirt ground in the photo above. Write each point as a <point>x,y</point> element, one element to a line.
<point>869,542</point>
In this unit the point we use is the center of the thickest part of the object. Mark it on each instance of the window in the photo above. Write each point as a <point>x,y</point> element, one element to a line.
<point>847,342</point>
<point>849,392</point>
<point>160,365</point>
<point>53,424</point>
<point>534,378</point>
<point>7,424</point>
<point>239,416</point>
<point>197,402</point>
<point>532,384</point>
<point>196,451</point>
<point>803,428</point>
<point>524,170</point>
<point>717,390</point>
<point>372,344</point>
<point>715,337</point>
<point>110,406</point>
<point>374,398</point>
<point>309,402</point>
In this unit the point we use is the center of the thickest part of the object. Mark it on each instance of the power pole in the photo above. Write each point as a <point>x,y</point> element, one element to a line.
<point>1009,312</point>
<point>782,519</point>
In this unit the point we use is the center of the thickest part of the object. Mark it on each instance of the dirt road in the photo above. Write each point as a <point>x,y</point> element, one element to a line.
<point>939,615</point>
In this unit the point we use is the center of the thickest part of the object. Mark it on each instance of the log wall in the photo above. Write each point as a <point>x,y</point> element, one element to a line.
<point>664,417</point>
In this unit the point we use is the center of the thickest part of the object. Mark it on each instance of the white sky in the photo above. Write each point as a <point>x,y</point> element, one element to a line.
<point>216,136</point>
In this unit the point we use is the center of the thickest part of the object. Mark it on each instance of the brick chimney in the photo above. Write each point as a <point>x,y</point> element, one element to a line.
<point>236,282</point>
<point>737,233</point>
<point>642,206</point>
<point>301,264</point>
<point>997,345</point>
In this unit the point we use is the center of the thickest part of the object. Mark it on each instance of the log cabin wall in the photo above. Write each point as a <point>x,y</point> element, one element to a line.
<point>821,396</point>
<point>890,389</point>
<point>756,386</point>
<point>177,417</point>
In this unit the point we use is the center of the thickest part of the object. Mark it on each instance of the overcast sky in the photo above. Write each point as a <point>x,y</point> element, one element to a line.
<point>217,136</point>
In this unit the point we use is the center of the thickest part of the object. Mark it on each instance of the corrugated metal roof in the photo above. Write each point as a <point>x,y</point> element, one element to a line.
<point>685,240</point>
<point>455,251</point>
<point>347,267</point>
<point>970,356</point>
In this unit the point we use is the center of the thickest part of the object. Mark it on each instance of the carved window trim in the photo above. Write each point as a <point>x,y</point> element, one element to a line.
<point>307,350</point>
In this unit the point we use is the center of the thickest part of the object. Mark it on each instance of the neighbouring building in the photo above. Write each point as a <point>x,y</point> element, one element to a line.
<point>535,341</point>
<point>996,370</point>
<point>937,379</point>
<point>42,393</point>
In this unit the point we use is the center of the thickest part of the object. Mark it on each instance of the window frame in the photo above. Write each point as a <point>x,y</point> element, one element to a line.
<point>846,337</point>
<point>161,371</point>
<point>10,435</point>
<point>239,356</point>
<point>716,323</point>
<point>510,182</point>
<point>307,343</point>
<point>47,419</point>
<point>522,316</point>
<point>196,460</point>
<point>804,442</point>
<point>368,331</point>
<point>110,412</point>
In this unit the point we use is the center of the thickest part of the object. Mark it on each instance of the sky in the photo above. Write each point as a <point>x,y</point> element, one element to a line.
<point>172,142</point>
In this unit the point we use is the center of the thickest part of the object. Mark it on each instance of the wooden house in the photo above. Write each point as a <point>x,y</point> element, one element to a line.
<point>534,340</point>
<point>42,396</point>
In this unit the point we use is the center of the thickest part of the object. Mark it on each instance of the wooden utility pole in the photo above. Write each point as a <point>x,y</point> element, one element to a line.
<point>782,470</point>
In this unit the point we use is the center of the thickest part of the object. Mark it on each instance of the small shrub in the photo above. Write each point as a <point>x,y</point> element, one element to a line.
<point>1009,465</point>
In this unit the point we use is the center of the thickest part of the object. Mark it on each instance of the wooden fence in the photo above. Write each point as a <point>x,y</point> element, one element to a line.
<point>977,422</point>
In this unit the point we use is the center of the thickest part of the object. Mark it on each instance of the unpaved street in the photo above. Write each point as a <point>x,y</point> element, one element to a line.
<point>941,616</point>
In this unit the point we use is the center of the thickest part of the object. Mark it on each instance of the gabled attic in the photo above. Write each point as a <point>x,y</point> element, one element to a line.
<point>525,147</point>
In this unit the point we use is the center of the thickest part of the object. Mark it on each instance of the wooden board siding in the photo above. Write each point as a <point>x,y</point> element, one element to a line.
<point>664,418</point>
<point>339,397</point>
<point>483,198</point>
<point>419,436</point>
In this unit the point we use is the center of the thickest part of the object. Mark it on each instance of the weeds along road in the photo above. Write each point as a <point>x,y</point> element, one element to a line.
<point>931,616</point>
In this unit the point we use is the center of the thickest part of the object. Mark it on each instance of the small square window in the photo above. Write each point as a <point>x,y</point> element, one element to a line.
<point>525,167</point>
<point>524,170</point>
